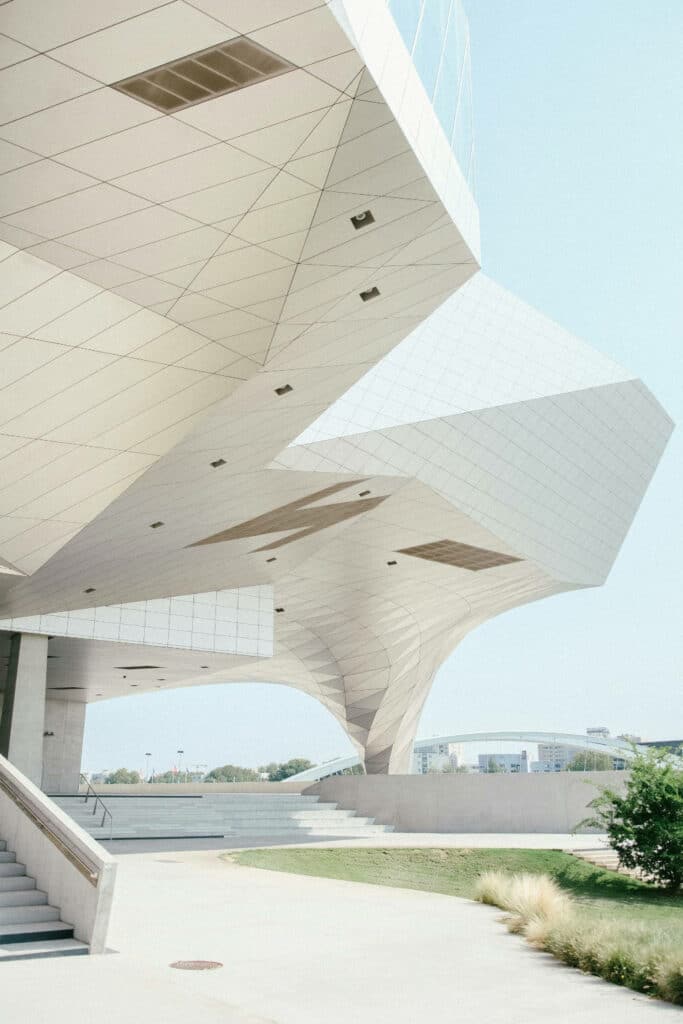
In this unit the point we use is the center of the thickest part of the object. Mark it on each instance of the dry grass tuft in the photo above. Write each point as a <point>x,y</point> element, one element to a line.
<point>624,953</point>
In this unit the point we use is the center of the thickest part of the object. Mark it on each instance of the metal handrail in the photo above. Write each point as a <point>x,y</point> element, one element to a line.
<point>106,813</point>
<point>56,837</point>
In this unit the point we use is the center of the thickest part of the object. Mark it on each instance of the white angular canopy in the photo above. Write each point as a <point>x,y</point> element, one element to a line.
<point>260,415</point>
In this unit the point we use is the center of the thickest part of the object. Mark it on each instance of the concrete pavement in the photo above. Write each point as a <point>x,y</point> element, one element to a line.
<point>300,950</point>
<point>460,840</point>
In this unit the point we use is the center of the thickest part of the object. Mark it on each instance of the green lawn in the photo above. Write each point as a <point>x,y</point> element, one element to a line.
<point>454,872</point>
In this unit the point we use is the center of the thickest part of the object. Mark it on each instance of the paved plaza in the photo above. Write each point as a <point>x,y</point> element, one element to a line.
<point>301,950</point>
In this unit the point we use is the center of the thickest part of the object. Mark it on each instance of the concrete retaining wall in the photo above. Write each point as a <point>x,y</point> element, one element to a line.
<point>470,803</point>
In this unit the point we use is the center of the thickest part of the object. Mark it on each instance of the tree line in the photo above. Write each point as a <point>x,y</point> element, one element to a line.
<point>273,772</point>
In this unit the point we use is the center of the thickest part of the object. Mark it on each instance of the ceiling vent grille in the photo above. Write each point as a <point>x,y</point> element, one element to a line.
<point>202,76</point>
<point>463,556</point>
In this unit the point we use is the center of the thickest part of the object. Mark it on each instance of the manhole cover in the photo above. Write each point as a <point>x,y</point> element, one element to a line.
<point>196,965</point>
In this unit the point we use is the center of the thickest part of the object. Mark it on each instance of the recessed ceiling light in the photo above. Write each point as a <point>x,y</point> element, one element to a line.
<point>203,666</point>
<point>391,563</point>
<point>133,684</point>
<point>279,609</point>
<point>89,590</point>
<point>202,76</point>
<point>155,526</point>
<point>370,293</point>
<point>273,559</point>
<point>162,680</point>
<point>218,462</point>
<point>361,220</point>
<point>362,494</point>
<point>284,390</point>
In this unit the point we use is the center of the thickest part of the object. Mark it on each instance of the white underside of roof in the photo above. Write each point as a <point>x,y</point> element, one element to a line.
<point>186,346</point>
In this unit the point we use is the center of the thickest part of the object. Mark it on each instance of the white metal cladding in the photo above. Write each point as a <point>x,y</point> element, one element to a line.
<point>219,374</point>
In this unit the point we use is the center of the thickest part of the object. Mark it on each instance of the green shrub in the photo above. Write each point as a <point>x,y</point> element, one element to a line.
<point>645,825</point>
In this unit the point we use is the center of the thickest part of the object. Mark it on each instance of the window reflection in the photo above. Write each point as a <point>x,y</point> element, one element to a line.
<point>436,35</point>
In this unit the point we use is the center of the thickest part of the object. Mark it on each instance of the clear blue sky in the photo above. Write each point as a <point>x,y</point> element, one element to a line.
<point>579,181</point>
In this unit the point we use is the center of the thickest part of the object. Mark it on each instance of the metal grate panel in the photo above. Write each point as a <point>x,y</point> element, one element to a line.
<point>463,556</point>
<point>202,76</point>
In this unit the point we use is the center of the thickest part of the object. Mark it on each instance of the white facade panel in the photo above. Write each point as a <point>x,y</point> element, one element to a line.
<point>256,400</point>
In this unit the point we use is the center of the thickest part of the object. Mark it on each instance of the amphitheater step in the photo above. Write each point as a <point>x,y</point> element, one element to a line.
<point>283,817</point>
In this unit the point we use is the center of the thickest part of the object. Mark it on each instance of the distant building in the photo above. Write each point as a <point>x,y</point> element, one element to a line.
<point>554,757</point>
<point>675,746</point>
<point>515,764</point>
<point>438,757</point>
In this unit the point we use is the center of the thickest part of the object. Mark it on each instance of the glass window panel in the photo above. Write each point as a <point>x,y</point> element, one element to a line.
<point>406,14</point>
<point>462,32</point>
<point>446,95</point>
<point>430,41</point>
<point>462,136</point>
<point>437,35</point>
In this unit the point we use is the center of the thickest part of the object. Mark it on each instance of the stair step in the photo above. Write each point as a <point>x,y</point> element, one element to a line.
<point>283,817</point>
<point>41,950</point>
<point>3,844</point>
<point>7,870</point>
<point>23,898</point>
<point>6,857</point>
<point>21,915</point>
<point>13,883</point>
<point>32,930</point>
<point>164,834</point>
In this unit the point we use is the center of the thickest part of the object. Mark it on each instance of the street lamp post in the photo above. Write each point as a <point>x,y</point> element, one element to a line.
<point>147,756</point>
<point>180,761</point>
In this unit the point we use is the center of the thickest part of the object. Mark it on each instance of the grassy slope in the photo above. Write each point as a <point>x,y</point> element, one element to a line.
<point>454,872</point>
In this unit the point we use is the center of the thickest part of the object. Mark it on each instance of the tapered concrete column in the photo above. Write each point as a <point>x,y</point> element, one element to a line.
<point>63,745</point>
<point>23,709</point>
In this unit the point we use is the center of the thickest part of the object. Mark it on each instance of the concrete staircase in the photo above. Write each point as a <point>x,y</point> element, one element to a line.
<point>29,927</point>
<point>603,857</point>
<point>283,817</point>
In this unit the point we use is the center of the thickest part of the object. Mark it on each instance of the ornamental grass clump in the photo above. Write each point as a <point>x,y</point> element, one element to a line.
<point>527,898</point>
<point>624,953</point>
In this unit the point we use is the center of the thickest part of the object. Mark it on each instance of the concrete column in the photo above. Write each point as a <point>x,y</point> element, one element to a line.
<point>23,709</point>
<point>63,745</point>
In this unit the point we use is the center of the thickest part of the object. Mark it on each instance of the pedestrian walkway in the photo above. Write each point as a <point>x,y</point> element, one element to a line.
<point>301,950</point>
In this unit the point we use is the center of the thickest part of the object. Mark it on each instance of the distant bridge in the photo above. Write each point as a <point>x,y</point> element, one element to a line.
<point>605,745</point>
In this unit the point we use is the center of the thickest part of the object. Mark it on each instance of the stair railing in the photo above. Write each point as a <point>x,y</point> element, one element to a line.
<point>99,802</point>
